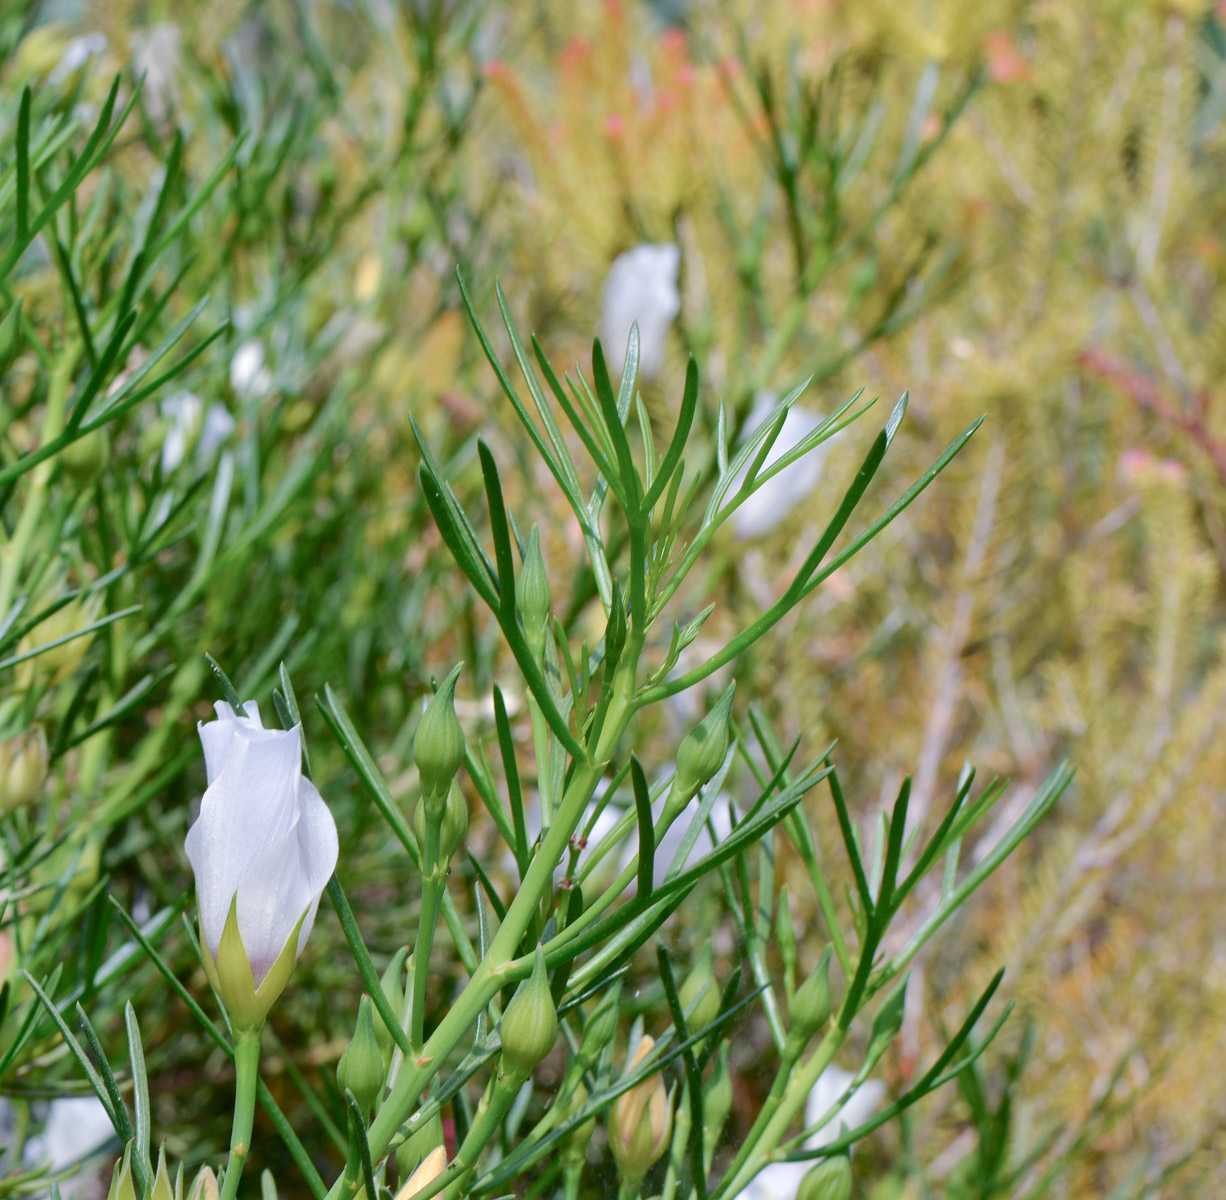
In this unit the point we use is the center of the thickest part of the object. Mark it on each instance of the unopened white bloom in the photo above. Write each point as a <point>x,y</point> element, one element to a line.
<point>781,1181</point>
<point>264,847</point>
<point>249,377</point>
<point>642,287</point>
<point>762,511</point>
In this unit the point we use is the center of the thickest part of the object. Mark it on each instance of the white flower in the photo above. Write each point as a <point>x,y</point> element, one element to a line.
<point>157,56</point>
<point>781,1181</point>
<point>190,421</point>
<point>76,54</point>
<point>777,497</point>
<point>249,377</point>
<point>642,287</point>
<point>74,1128</point>
<point>262,849</point>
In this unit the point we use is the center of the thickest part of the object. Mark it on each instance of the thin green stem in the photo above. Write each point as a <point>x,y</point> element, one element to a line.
<point>246,1082</point>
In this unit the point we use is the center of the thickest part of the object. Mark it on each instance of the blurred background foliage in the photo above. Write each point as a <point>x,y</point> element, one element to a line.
<point>1012,208</point>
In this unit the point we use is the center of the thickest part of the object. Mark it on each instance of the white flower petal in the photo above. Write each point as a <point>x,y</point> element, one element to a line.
<point>857,1109</point>
<point>778,1181</point>
<point>641,287</point>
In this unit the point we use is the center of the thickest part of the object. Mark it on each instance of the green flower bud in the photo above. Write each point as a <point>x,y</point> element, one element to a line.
<point>699,994</point>
<point>640,1122</point>
<point>122,1187</point>
<point>204,1186</point>
<point>600,1028</point>
<point>717,1099</point>
<point>530,1024</point>
<point>702,752</point>
<point>810,1008</point>
<point>392,985</point>
<point>162,1189</point>
<point>23,769</point>
<point>452,822</point>
<point>416,1148</point>
<point>829,1180</point>
<point>361,1068</point>
<point>55,665</point>
<point>573,1152</point>
<point>532,596</point>
<point>438,746</point>
<point>85,459</point>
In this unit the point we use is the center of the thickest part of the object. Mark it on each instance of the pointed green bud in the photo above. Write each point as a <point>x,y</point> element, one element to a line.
<point>829,1180</point>
<point>361,1067</point>
<point>785,935</point>
<point>455,823</point>
<point>702,752</point>
<point>615,630</point>
<point>438,745</point>
<point>888,1021</point>
<point>600,1028</point>
<point>23,769</point>
<point>416,1148</point>
<point>162,1189</point>
<point>717,1099</point>
<point>699,993</point>
<point>532,596</point>
<point>573,1152</point>
<point>122,1187</point>
<point>204,1187</point>
<point>392,986</point>
<point>810,1008</point>
<point>530,1024</point>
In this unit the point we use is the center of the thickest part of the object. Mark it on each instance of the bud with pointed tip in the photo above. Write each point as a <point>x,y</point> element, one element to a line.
<point>361,1068</point>
<point>205,1186</point>
<point>616,630</point>
<point>717,1099</point>
<point>529,1026</point>
<point>453,822</point>
<point>122,1187</point>
<point>829,1180</point>
<point>438,745</point>
<point>57,664</point>
<point>810,1007</point>
<point>532,595</point>
<point>702,752</point>
<point>23,768</point>
<point>699,994</point>
<point>640,1122</point>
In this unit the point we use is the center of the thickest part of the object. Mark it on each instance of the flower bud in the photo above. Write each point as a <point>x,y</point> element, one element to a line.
<point>699,994</point>
<point>55,665</point>
<point>122,1186</point>
<point>453,822</point>
<point>418,1146</point>
<point>573,1153</point>
<point>85,459</point>
<point>810,1008</point>
<point>431,1167</point>
<point>640,1121</point>
<point>702,752</point>
<point>438,745</point>
<point>361,1068</point>
<point>532,596</point>
<point>23,768</point>
<point>205,1186</point>
<point>600,1028</point>
<point>616,630</point>
<point>392,985</point>
<point>530,1024</point>
<point>829,1180</point>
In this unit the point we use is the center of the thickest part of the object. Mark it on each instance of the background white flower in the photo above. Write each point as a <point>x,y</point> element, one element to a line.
<point>641,286</point>
<point>263,834</point>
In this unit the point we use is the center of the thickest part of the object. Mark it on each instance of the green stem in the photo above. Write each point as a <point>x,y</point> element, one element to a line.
<point>431,894</point>
<point>246,1081</point>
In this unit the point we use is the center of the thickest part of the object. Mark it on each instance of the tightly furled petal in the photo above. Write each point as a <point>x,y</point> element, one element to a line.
<point>264,843</point>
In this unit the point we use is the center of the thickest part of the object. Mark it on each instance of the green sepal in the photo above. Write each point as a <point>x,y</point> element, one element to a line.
<point>162,1189</point>
<point>122,1187</point>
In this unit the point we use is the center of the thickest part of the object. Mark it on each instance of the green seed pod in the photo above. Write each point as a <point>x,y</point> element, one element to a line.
<point>699,994</point>
<point>455,823</point>
<point>392,986</point>
<point>600,1028</point>
<point>810,1008</point>
<point>532,596</point>
<point>361,1068</point>
<point>23,768</point>
<point>829,1180</point>
<point>438,745</point>
<point>530,1024</point>
<point>640,1122</point>
<point>702,752</point>
<point>416,1148</point>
